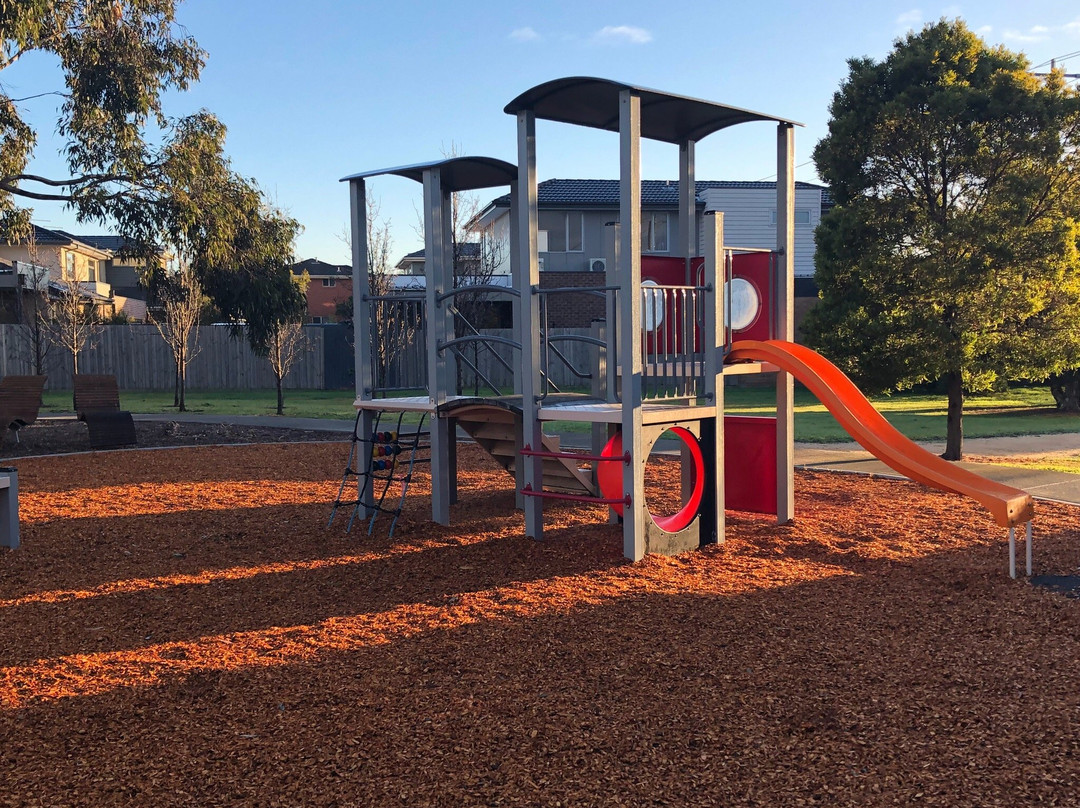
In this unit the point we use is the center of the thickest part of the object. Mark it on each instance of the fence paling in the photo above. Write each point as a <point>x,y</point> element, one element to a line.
<point>139,358</point>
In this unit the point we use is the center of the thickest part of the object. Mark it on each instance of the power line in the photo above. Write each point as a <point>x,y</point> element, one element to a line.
<point>800,165</point>
<point>1057,59</point>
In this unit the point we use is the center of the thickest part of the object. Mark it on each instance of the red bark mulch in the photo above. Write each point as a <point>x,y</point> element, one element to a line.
<point>181,628</point>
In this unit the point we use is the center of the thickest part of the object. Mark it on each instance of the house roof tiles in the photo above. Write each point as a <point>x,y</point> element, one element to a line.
<point>605,193</point>
<point>320,269</point>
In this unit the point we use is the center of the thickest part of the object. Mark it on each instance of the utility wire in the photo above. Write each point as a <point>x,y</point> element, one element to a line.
<point>800,165</point>
<point>1057,59</point>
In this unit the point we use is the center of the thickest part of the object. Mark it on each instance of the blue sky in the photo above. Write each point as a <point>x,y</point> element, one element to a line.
<point>313,92</point>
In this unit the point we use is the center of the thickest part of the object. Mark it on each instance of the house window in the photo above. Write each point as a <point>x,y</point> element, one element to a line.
<point>91,269</point>
<point>329,281</point>
<point>69,270</point>
<point>563,230</point>
<point>801,217</point>
<point>316,320</point>
<point>654,232</point>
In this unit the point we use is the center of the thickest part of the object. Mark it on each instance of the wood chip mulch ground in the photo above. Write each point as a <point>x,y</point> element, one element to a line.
<point>181,628</point>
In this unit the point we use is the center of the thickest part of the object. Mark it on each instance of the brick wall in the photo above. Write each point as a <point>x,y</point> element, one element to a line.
<point>570,309</point>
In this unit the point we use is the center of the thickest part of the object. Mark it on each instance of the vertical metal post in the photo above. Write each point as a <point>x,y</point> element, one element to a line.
<point>688,236</point>
<point>529,324</point>
<point>712,344</point>
<point>515,276</point>
<point>614,329</point>
<point>1012,552</point>
<point>630,319</point>
<point>1028,540</point>
<point>785,384</point>
<point>363,354</point>
<point>688,246</point>
<point>9,508</point>
<point>439,277</point>
<point>516,302</point>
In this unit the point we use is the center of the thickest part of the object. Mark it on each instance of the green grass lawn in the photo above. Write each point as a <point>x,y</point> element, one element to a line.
<point>1022,411</point>
<point>298,403</point>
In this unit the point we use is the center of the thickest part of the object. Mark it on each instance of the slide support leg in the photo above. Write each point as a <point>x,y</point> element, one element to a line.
<point>1029,548</point>
<point>1012,552</point>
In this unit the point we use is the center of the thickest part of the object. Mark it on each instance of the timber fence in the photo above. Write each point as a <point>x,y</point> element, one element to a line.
<point>141,360</point>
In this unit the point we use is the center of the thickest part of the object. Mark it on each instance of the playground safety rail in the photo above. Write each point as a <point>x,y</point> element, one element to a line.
<point>396,353</point>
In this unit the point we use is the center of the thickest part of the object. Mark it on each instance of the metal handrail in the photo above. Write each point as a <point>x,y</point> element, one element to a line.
<point>481,338</point>
<point>559,290</point>
<point>462,357</point>
<point>485,287</point>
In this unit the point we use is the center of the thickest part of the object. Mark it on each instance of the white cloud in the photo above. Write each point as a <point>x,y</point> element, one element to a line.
<point>910,19</point>
<point>985,30</point>
<point>526,34</point>
<point>623,35</point>
<point>1037,33</point>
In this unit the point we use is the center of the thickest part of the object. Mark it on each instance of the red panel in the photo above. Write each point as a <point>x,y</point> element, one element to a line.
<point>667,271</point>
<point>750,463</point>
<point>757,269</point>
<point>610,477</point>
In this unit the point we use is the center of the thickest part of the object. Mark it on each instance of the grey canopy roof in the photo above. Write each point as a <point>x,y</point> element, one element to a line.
<point>594,102</point>
<point>458,173</point>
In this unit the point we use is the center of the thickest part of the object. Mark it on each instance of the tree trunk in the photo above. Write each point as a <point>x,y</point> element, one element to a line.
<point>183,387</point>
<point>280,398</point>
<point>1065,387</point>
<point>954,436</point>
<point>181,380</point>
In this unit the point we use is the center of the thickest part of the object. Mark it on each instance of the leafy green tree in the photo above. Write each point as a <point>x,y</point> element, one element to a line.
<point>117,58</point>
<point>951,253</point>
<point>239,248</point>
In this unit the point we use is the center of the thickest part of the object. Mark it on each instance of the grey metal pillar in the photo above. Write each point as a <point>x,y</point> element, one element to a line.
<point>9,508</point>
<point>529,325</point>
<point>630,319</point>
<point>439,272</point>
<point>613,322</point>
<point>688,236</point>
<point>688,247</point>
<point>785,302</point>
<point>362,349</point>
<point>712,343</point>
<point>517,301</point>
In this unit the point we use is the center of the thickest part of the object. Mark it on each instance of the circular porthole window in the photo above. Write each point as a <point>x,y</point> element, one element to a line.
<point>652,305</point>
<point>743,304</point>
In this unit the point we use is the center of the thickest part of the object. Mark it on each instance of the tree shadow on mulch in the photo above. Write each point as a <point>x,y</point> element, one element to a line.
<point>873,651</point>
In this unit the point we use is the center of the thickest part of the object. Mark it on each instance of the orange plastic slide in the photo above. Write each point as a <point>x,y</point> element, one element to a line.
<point>1009,506</point>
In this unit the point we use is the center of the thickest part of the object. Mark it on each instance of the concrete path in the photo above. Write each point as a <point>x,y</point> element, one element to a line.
<point>1056,486</point>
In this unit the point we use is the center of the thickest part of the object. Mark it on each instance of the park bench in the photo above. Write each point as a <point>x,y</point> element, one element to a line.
<point>9,508</point>
<point>97,403</point>
<point>20,401</point>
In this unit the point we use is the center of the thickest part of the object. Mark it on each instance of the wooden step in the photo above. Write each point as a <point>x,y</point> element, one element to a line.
<point>499,438</point>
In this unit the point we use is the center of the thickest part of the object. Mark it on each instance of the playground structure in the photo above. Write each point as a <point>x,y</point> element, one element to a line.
<point>674,328</point>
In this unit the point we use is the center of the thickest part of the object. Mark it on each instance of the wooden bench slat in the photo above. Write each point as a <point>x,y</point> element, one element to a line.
<point>97,403</point>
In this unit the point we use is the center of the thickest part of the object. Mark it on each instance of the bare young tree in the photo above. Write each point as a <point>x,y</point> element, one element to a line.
<point>182,300</point>
<point>33,327</point>
<point>287,341</point>
<point>32,309</point>
<point>393,322</point>
<point>478,255</point>
<point>74,322</point>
